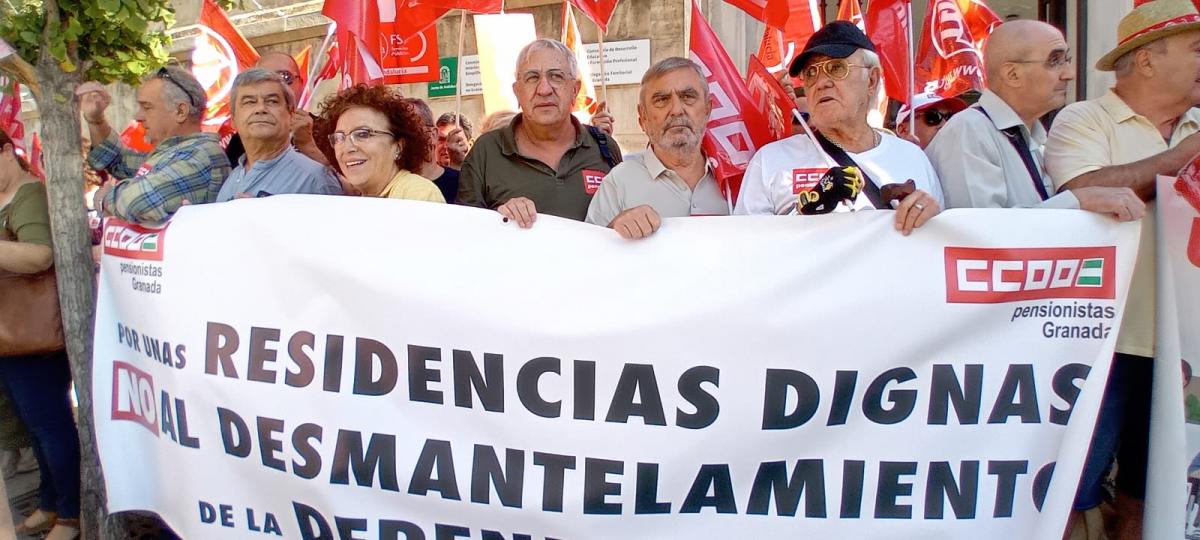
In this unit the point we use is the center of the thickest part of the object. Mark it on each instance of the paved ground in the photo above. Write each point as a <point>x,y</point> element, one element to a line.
<point>21,491</point>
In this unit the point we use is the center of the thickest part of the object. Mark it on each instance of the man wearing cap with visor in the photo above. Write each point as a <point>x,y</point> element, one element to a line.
<point>1144,126</point>
<point>841,76</point>
<point>933,111</point>
<point>990,156</point>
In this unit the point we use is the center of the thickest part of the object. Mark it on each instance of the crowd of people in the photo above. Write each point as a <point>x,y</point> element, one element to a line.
<point>993,150</point>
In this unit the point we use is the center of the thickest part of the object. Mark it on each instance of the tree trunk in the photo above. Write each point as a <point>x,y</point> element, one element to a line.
<point>58,108</point>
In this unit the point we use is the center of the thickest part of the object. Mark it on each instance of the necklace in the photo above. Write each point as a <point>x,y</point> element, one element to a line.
<point>875,141</point>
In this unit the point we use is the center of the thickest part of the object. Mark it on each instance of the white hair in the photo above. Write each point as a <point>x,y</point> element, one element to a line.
<point>546,43</point>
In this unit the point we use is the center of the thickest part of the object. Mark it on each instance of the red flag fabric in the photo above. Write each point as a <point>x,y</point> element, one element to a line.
<point>474,6</point>
<point>134,138</point>
<point>410,60</point>
<point>220,54</point>
<point>736,129</point>
<point>768,94</point>
<point>850,10</point>
<point>779,46</point>
<point>948,62</point>
<point>10,114</point>
<point>772,12</point>
<point>586,103</point>
<point>358,17</point>
<point>981,20</point>
<point>357,62</point>
<point>35,157</point>
<point>599,11</point>
<point>304,60</point>
<point>889,28</point>
<point>407,18</point>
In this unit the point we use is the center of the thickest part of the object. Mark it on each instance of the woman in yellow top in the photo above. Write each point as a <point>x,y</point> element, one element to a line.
<point>377,140</point>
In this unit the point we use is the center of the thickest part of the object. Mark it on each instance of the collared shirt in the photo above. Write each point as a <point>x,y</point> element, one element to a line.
<point>980,168</point>
<point>1103,132</point>
<point>188,167</point>
<point>289,172</point>
<point>783,169</point>
<point>413,187</point>
<point>495,171</point>
<point>643,179</point>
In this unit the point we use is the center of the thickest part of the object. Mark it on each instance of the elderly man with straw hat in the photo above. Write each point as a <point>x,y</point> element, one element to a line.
<point>1145,126</point>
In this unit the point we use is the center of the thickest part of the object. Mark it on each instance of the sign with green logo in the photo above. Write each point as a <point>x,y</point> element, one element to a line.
<point>447,83</point>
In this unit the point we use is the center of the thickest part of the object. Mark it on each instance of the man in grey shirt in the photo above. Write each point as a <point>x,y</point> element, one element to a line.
<point>671,178</point>
<point>991,155</point>
<point>262,107</point>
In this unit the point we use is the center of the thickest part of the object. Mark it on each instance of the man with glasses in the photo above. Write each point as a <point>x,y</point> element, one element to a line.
<point>544,161</point>
<point>186,164</point>
<point>933,111</point>
<point>990,156</point>
<point>302,121</point>
<point>841,78</point>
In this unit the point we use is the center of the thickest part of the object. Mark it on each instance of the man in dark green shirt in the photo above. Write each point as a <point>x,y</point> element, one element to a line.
<point>544,160</point>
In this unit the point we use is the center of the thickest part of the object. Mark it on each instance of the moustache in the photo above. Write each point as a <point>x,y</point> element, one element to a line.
<point>682,121</point>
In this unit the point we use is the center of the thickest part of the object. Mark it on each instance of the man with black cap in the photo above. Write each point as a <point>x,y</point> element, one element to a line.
<point>796,175</point>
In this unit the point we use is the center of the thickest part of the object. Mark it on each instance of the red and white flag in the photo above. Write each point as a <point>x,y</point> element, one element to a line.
<point>851,10</point>
<point>774,13</point>
<point>736,128</point>
<point>888,26</point>
<point>410,60</point>
<point>35,157</point>
<point>768,94</point>
<point>948,62</point>
<point>586,103</point>
<point>220,53</point>
<point>10,114</point>
<point>599,11</point>
<point>981,20</point>
<point>474,6</point>
<point>779,46</point>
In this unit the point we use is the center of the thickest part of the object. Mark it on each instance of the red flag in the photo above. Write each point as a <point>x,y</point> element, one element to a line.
<point>850,10</point>
<point>948,63</point>
<point>410,60</point>
<point>772,12</point>
<point>586,103</point>
<point>358,17</point>
<point>357,63</point>
<point>304,60</point>
<point>981,20</point>
<point>220,54</point>
<point>769,95</point>
<point>474,6</point>
<point>599,11</point>
<point>736,129</point>
<point>35,157</point>
<point>407,18</point>
<point>888,27</point>
<point>10,114</point>
<point>133,137</point>
<point>779,47</point>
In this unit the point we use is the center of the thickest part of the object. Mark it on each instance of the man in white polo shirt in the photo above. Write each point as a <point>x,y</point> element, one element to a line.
<point>841,75</point>
<point>1145,126</point>
<point>671,178</point>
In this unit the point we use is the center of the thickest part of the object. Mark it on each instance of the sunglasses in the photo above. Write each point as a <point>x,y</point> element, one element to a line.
<point>934,117</point>
<point>166,76</point>
<point>287,77</point>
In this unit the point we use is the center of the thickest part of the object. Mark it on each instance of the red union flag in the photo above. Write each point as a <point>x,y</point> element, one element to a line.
<point>599,11</point>
<point>888,26</point>
<point>586,103</point>
<point>981,20</point>
<point>993,276</point>
<point>410,60</point>
<point>736,129</point>
<point>772,12</point>
<point>220,54</point>
<point>134,138</point>
<point>1187,184</point>
<point>850,10</point>
<point>474,6</point>
<point>769,95</point>
<point>780,45</point>
<point>948,61</point>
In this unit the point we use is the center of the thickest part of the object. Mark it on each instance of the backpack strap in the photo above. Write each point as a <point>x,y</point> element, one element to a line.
<point>842,158</point>
<point>602,140</point>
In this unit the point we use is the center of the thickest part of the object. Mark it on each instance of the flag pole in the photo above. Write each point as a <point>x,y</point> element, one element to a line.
<point>461,68</point>
<point>603,76</point>
<point>687,28</point>
<point>912,74</point>
<point>315,66</point>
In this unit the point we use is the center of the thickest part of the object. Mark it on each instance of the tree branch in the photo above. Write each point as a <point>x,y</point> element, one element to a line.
<point>50,8</point>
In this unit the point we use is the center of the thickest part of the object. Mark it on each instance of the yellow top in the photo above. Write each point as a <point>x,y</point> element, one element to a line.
<point>414,187</point>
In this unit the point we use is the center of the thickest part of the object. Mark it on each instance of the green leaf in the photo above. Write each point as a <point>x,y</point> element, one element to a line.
<point>111,6</point>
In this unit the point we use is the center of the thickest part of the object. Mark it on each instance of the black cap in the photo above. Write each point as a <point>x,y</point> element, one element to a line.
<point>837,39</point>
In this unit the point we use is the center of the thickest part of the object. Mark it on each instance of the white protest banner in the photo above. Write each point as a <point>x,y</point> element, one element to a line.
<point>425,371</point>
<point>1173,476</point>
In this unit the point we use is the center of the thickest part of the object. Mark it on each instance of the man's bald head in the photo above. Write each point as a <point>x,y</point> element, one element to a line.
<point>1017,41</point>
<point>280,62</point>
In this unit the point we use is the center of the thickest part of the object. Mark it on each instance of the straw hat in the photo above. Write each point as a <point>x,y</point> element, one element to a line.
<point>1148,22</point>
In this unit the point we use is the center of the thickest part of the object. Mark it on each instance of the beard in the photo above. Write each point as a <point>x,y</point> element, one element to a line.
<point>678,140</point>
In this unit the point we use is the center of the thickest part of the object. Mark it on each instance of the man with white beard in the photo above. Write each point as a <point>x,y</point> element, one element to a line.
<point>671,178</point>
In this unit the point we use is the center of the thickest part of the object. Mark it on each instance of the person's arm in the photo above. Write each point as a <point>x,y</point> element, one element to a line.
<point>24,258</point>
<point>107,152</point>
<point>1140,175</point>
<point>606,203</point>
<point>302,137</point>
<point>29,221</point>
<point>154,196</point>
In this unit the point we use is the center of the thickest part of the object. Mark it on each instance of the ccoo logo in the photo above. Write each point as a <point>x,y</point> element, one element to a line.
<point>991,276</point>
<point>132,241</point>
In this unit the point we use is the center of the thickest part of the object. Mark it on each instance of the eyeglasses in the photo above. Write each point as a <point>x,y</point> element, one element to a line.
<point>837,69</point>
<point>557,77</point>
<point>356,136</point>
<point>166,76</point>
<point>1056,60</point>
<point>287,76</point>
<point>934,117</point>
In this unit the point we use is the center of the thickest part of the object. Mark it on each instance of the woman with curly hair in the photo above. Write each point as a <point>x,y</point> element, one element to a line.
<point>377,141</point>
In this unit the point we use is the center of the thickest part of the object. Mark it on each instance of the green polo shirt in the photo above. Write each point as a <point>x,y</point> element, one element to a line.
<point>495,172</point>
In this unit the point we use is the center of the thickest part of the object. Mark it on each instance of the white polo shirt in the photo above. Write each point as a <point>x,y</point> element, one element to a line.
<point>1103,132</point>
<point>782,169</point>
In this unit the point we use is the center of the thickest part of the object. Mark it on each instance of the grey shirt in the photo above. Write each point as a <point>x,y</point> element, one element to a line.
<point>980,168</point>
<point>643,179</point>
<point>289,172</point>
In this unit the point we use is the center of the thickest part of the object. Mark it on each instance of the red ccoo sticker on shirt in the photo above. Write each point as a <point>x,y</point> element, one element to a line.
<point>591,180</point>
<point>806,179</point>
